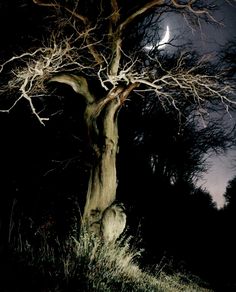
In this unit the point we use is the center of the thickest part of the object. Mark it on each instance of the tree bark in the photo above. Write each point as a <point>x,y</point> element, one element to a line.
<point>101,119</point>
<point>104,141</point>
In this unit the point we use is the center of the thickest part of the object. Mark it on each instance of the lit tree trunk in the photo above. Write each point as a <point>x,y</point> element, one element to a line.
<point>101,119</point>
<point>102,183</point>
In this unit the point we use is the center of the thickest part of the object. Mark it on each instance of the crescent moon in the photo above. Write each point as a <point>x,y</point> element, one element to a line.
<point>162,43</point>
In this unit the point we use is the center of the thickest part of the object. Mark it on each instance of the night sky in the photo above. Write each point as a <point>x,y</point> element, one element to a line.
<point>222,169</point>
<point>210,39</point>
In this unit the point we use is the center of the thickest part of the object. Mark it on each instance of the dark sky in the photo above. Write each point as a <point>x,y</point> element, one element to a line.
<point>212,39</point>
<point>206,37</point>
<point>209,39</point>
<point>213,35</point>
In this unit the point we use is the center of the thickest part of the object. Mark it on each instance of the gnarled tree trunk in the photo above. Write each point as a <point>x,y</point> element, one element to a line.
<point>101,119</point>
<point>104,139</point>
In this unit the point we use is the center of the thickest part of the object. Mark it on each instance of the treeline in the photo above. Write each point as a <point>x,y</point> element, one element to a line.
<point>178,222</point>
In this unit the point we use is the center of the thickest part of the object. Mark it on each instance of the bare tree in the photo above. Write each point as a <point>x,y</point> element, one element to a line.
<point>86,42</point>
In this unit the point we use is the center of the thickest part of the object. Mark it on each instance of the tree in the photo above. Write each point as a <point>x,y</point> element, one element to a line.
<point>230,197</point>
<point>178,150</point>
<point>94,51</point>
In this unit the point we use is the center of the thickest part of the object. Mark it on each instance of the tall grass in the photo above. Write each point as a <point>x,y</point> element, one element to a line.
<point>83,262</point>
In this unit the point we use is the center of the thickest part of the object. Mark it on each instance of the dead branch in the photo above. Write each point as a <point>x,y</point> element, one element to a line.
<point>196,11</point>
<point>118,35</point>
<point>72,53</point>
<point>56,5</point>
<point>139,12</point>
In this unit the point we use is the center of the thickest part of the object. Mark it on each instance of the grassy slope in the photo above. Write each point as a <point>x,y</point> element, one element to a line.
<point>86,264</point>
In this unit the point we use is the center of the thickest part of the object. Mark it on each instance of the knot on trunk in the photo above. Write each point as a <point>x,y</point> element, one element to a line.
<point>112,223</point>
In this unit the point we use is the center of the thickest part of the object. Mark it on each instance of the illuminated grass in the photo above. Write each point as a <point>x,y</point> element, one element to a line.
<point>86,264</point>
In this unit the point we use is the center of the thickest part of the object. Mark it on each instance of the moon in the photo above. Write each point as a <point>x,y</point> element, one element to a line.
<point>162,43</point>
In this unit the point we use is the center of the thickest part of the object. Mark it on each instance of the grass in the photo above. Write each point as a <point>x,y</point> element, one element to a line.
<point>82,262</point>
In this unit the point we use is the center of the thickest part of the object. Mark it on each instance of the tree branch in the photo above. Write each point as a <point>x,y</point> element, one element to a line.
<point>78,83</point>
<point>189,6</point>
<point>127,91</point>
<point>117,39</point>
<point>56,5</point>
<point>115,16</point>
<point>140,11</point>
<point>80,17</point>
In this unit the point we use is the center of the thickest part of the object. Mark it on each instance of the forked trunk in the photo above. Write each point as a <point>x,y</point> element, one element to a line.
<point>101,215</point>
<point>104,139</point>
